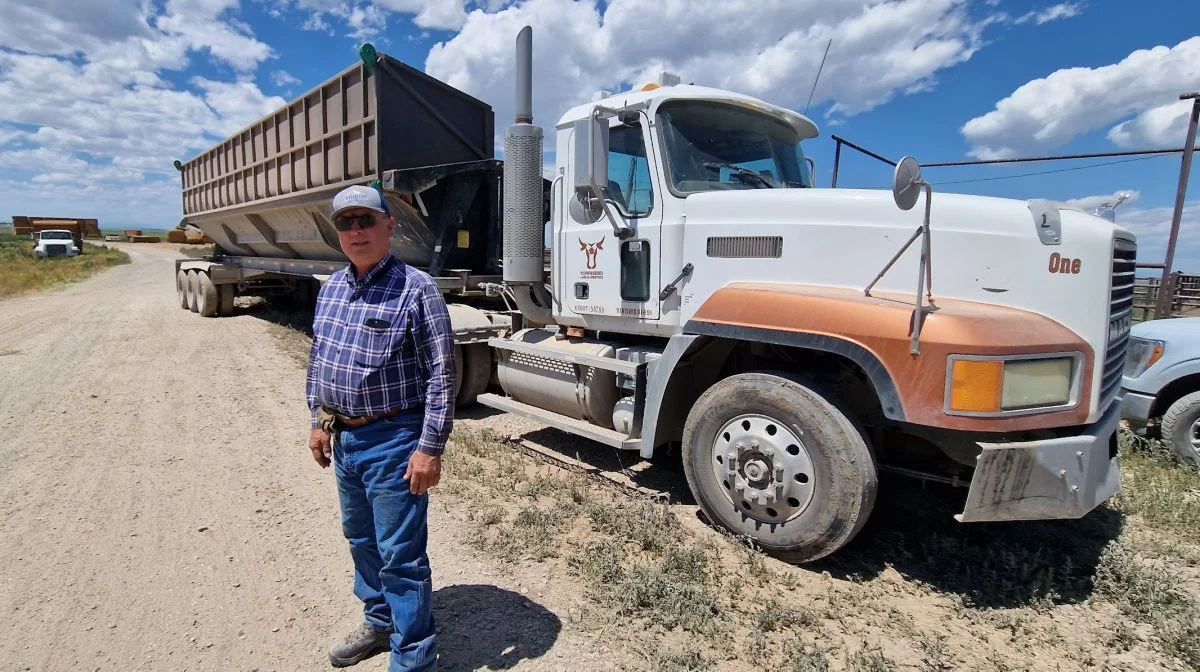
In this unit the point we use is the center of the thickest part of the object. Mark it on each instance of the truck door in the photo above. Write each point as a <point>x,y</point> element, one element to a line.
<point>602,275</point>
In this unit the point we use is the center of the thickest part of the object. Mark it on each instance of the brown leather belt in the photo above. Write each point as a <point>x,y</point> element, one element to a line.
<point>359,421</point>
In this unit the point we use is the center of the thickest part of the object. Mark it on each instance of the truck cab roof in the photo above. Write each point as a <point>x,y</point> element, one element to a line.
<point>654,95</point>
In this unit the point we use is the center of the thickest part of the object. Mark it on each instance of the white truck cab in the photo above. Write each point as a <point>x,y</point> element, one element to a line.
<point>55,243</point>
<point>771,328</point>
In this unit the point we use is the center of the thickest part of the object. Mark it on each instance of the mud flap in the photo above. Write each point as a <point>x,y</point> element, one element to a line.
<point>1041,480</point>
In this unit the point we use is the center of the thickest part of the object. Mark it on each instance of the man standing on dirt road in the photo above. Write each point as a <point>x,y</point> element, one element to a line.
<point>381,391</point>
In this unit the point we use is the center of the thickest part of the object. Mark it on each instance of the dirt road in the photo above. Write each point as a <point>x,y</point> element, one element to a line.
<point>161,511</point>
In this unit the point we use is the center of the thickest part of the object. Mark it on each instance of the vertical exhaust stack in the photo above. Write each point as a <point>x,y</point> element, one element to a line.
<point>524,234</point>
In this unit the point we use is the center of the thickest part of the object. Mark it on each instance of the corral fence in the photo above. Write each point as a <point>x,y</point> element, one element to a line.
<point>1185,300</point>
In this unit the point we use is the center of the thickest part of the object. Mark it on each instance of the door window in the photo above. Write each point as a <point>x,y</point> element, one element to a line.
<point>628,171</point>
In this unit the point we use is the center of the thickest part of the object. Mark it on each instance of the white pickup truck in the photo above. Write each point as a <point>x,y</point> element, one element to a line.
<point>1162,382</point>
<point>55,243</point>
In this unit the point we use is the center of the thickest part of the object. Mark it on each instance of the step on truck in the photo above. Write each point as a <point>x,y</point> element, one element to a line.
<point>678,280</point>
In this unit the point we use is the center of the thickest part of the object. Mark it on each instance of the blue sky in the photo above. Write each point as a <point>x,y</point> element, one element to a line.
<point>100,98</point>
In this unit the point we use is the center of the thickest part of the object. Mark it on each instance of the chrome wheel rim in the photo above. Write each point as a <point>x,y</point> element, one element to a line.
<point>763,468</point>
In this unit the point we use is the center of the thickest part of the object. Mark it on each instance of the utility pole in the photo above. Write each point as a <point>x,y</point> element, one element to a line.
<point>1166,289</point>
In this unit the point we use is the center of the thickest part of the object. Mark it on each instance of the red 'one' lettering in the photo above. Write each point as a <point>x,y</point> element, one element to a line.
<point>1061,264</point>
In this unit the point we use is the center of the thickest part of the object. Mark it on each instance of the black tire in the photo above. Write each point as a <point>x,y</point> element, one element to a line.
<point>181,288</point>
<point>474,372</point>
<point>844,479</point>
<point>207,303</point>
<point>193,286</point>
<point>1179,428</point>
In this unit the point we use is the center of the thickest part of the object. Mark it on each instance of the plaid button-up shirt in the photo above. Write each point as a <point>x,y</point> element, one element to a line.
<point>384,342</point>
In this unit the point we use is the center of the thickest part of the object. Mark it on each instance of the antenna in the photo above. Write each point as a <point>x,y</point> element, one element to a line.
<point>818,77</point>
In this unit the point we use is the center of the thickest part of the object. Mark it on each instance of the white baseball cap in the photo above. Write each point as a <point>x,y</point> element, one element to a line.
<point>359,196</point>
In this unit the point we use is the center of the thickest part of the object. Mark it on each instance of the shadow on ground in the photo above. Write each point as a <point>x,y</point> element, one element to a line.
<point>662,475</point>
<point>485,626</point>
<point>912,529</point>
<point>277,311</point>
<point>1005,564</point>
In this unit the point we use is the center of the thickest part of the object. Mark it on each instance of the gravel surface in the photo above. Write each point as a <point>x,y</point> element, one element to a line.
<point>162,512</point>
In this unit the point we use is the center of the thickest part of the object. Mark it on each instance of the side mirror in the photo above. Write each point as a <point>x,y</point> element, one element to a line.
<point>906,183</point>
<point>591,155</point>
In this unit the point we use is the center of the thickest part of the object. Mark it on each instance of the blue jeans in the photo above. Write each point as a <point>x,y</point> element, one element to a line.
<point>386,527</point>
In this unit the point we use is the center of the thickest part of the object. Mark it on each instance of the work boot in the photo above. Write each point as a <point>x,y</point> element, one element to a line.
<point>358,646</point>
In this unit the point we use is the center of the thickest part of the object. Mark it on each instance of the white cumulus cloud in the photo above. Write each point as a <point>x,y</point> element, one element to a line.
<point>1153,227</point>
<point>766,48</point>
<point>88,104</point>
<point>1090,203</point>
<point>284,78</point>
<point>1137,99</point>
<point>369,19</point>
<point>1063,10</point>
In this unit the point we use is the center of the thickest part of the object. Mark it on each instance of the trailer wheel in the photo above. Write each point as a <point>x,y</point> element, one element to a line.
<point>181,288</point>
<point>768,457</point>
<point>206,299</point>
<point>225,296</point>
<point>193,290</point>
<point>475,372</point>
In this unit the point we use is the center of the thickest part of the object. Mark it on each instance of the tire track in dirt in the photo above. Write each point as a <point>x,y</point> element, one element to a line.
<point>161,511</point>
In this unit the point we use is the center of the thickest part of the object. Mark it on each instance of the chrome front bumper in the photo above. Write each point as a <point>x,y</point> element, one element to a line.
<point>1042,480</point>
<point>1136,407</point>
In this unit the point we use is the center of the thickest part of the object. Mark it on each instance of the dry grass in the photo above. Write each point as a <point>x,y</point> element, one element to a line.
<point>1117,590</point>
<point>22,272</point>
<point>914,593</point>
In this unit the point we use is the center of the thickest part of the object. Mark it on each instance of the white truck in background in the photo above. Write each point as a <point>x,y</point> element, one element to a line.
<point>55,243</point>
<point>702,292</point>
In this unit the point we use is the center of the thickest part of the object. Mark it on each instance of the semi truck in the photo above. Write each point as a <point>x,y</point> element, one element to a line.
<point>677,280</point>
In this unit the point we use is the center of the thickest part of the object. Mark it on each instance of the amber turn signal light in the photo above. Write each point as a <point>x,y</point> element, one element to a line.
<point>977,386</point>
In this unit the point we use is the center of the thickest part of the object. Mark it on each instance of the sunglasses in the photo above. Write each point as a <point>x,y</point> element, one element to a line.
<point>347,223</point>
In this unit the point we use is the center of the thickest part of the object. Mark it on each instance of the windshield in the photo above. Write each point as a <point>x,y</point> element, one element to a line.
<point>56,235</point>
<point>712,146</point>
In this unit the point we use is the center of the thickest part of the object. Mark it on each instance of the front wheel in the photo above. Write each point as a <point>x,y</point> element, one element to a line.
<point>1181,428</point>
<point>769,457</point>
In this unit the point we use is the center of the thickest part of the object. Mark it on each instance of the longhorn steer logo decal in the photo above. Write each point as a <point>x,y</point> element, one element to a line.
<point>590,250</point>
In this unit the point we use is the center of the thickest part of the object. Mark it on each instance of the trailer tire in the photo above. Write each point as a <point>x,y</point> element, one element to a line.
<point>193,288</point>
<point>475,372</point>
<point>207,303</point>
<point>225,296</point>
<point>801,460</point>
<point>181,288</point>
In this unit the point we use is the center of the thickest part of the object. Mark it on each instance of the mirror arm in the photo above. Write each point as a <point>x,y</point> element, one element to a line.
<point>620,229</point>
<point>924,270</point>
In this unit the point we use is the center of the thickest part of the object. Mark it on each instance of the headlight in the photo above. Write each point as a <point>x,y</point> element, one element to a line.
<point>999,386</point>
<point>1141,355</point>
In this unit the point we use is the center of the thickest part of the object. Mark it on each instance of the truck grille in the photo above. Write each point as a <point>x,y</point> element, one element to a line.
<point>56,249</point>
<point>1120,318</point>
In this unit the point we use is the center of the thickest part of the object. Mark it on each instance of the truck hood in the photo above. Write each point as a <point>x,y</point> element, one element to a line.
<point>1170,329</point>
<point>875,208</point>
<point>982,249</point>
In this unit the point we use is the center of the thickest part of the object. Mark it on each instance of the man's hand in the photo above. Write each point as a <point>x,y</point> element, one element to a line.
<point>424,472</point>
<point>318,443</point>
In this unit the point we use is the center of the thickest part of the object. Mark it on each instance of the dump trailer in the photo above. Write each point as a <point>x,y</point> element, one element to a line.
<point>702,294</point>
<point>23,224</point>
